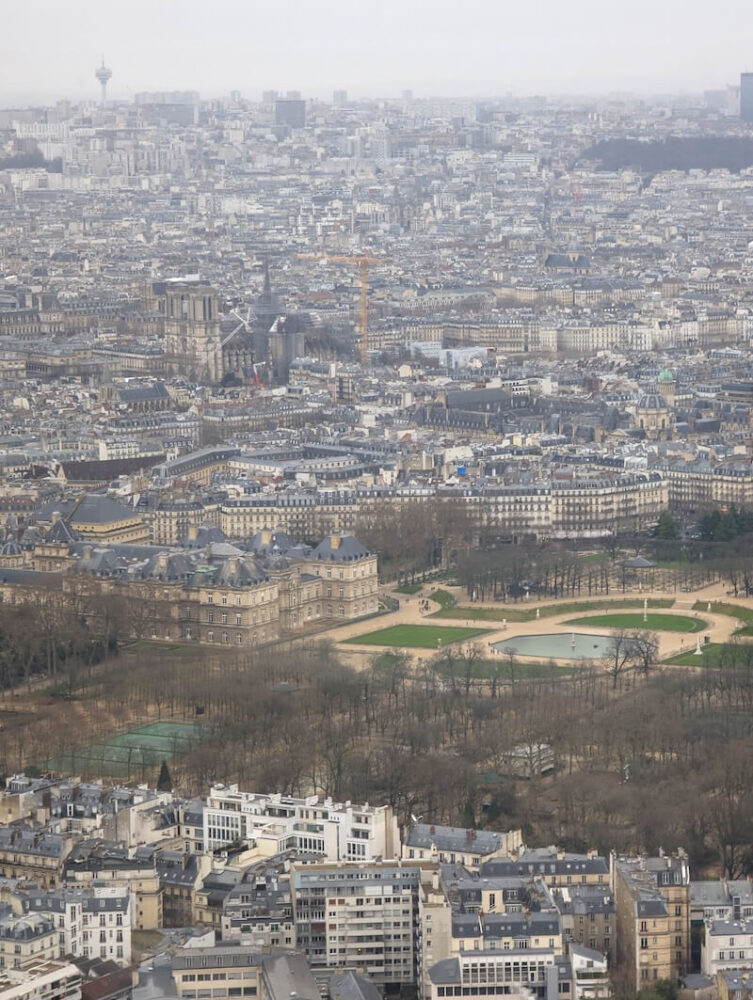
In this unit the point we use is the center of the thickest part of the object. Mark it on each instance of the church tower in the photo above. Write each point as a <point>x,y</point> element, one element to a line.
<point>193,345</point>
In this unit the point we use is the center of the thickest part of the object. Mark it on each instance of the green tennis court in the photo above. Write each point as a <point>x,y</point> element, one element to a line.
<point>135,753</point>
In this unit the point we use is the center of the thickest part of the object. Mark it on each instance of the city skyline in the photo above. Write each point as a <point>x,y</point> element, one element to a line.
<point>551,49</point>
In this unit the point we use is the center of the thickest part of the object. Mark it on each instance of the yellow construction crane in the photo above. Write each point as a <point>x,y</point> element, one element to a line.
<point>363,262</point>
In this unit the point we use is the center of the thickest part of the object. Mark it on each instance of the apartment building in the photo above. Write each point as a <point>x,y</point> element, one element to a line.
<point>227,970</point>
<point>590,973</point>
<point>32,854</point>
<point>359,917</point>
<point>232,970</point>
<point>180,875</point>
<point>494,894</point>
<point>31,937</point>
<point>173,521</point>
<point>727,945</point>
<point>520,511</point>
<point>561,508</point>
<point>100,862</point>
<point>435,923</point>
<point>734,985</point>
<point>456,845</point>
<point>522,973</point>
<point>721,899</point>
<point>505,931</point>
<point>588,508</point>
<point>556,868</point>
<point>260,905</point>
<point>587,915</point>
<point>703,486</point>
<point>334,830</point>
<point>92,923</point>
<point>302,514</point>
<point>197,466</point>
<point>519,336</point>
<point>41,979</point>
<point>652,905</point>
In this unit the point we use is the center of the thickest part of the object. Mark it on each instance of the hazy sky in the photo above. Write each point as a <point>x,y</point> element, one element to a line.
<point>49,48</point>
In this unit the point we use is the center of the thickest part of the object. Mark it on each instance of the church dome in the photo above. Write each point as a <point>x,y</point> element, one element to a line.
<point>652,401</point>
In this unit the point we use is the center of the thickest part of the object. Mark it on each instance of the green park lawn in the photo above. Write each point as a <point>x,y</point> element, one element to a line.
<point>725,608</point>
<point>713,653</point>
<point>416,636</point>
<point>654,621</point>
<point>742,614</point>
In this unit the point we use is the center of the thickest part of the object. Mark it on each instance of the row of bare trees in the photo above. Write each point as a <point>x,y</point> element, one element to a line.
<point>644,755</point>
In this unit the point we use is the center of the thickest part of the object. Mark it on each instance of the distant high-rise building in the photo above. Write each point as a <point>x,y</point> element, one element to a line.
<point>269,96</point>
<point>173,107</point>
<point>339,98</point>
<point>103,74</point>
<point>291,113</point>
<point>746,97</point>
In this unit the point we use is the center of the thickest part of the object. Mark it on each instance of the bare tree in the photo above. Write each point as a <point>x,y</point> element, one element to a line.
<point>620,654</point>
<point>645,650</point>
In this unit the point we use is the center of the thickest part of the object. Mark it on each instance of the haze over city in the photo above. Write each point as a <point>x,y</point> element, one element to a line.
<point>376,500</point>
<point>435,47</point>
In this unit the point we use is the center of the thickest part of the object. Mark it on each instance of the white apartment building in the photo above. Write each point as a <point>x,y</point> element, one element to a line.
<point>92,922</point>
<point>41,980</point>
<point>727,944</point>
<point>334,831</point>
<point>518,972</point>
<point>590,973</point>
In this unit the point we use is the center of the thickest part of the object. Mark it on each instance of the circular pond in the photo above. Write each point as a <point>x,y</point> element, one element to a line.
<point>557,646</point>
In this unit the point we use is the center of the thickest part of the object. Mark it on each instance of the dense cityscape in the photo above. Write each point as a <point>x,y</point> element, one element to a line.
<point>376,509</point>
